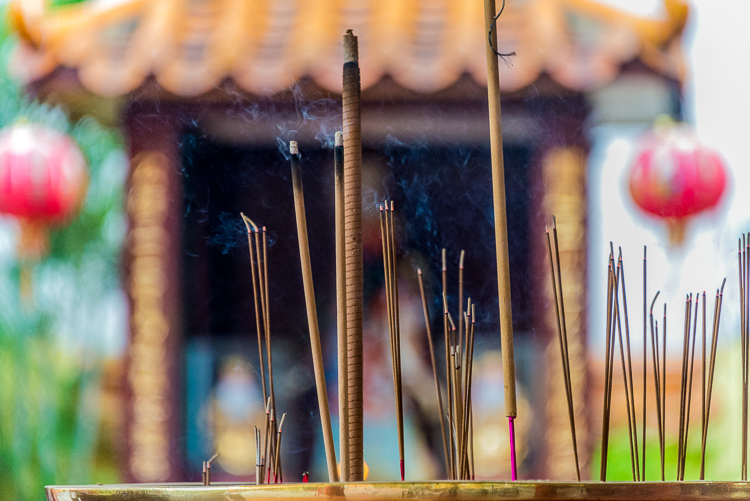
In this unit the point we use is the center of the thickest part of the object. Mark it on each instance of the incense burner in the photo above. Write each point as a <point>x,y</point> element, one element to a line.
<point>378,491</point>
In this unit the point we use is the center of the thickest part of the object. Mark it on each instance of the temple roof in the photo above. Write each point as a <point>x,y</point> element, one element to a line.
<point>192,46</point>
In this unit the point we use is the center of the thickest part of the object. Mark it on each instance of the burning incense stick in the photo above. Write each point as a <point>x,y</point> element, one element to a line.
<point>350,99</point>
<point>562,338</point>
<point>250,229</point>
<point>501,227</point>
<point>312,314</point>
<point>434,369</point>
<point>341,318</point>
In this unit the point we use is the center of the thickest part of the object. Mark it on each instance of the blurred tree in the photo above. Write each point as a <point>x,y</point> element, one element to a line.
<point>51,350</point>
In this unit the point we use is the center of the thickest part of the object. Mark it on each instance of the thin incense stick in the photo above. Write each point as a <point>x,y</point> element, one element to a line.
<point>690,391</point>
<point>258,472</point>
<point>683,383</point>
<point>712,366</point>
<point>657,375</point>
<point>630,366</point>
<point>746,333</point>
<point>559,304</point>
<point>312,314</point>
<point>270,444</point>
<point>272,393</point>
<point>501,228</point>
<point>645,365</point>
<point>250,229</point>
<point>351,108</point>
<point>449,388</point>
<point>277,460</point>
<point>397,331</point>
<point>434,370</point>
<point>460,298</point>
<point>208,467</point>
<point>607,378</point>
<point>341,338</point>
<point>703,388</point>
<point>633,454</point>
<point>741,256</point>
<point>664,390</point>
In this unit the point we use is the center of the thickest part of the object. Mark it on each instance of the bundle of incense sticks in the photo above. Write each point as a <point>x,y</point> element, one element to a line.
<point>616,316</point>
<point>459,355</point>
<point>390,265</point>
<point>743,257</point>
<point>562,334</point>
<point>259,279</point>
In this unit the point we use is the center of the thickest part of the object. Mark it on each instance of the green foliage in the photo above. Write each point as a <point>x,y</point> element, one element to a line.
<point>50,348</point>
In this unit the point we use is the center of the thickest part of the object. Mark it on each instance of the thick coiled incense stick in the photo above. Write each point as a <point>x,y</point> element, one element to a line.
<point>350,100</point>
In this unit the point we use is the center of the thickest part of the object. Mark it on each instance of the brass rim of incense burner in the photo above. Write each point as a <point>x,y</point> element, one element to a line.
<point>455,490</point>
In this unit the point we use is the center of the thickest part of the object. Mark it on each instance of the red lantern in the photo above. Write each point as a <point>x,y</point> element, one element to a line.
<point>43,181</point>
<point>675,177</point>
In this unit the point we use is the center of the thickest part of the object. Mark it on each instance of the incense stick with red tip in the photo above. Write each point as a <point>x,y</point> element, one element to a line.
<point>312,313</point>
<point>501,227</point>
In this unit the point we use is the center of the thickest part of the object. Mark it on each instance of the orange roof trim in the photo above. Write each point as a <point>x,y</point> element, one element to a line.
<point>264,46</point>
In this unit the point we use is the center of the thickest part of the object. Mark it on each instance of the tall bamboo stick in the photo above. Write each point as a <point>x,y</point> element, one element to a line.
<point>343,381</point>
<point>350,99</point>
<point>312,314</point>
<point>501,226</point>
